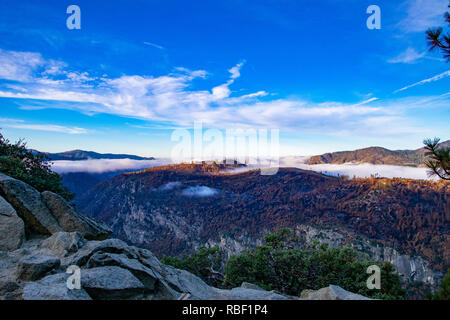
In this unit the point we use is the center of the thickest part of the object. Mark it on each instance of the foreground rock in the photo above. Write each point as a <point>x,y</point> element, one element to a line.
<point>331,293</point>
<point>42,214</point>
<point>12,228</point>
<point>111,269</point>
<point>34,268</point>
<point>65,249</point>
<point>27,202</point>
<point>53,287</point>
<point>63,243</point>
<point>71,221</point>
<point>107,283</point>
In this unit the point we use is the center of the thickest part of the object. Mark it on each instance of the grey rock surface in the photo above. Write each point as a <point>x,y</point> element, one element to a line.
<point>247,285</point>
<point>111,282</point>
<point>109,269</point>
<point>34,268</point>
<point>144,274</point>
<point>63,243</point>
<point>331,292</point>
<point>53,287</point>
<point>29,206</point>
<point>240,293</point>
<point>12,228</point>
<point>72,221</point>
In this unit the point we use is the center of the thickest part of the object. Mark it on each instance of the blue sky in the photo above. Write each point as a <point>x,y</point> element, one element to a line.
<point>139,69</point>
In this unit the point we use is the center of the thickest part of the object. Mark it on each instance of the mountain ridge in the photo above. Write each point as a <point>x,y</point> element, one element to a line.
<point>375,155</point>
<point>77,154</point>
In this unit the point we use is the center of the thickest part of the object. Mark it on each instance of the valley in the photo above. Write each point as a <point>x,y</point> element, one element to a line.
<point>172,210</point>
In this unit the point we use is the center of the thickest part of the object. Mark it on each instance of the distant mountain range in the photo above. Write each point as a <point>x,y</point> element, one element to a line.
<point>81,182</point>
<point>75,155</point>
<point>375,155</point>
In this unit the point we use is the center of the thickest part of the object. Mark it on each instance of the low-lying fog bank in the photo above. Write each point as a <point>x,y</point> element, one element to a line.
<point>104,165</point>
<point>360,170</point>
<point>363,170</point>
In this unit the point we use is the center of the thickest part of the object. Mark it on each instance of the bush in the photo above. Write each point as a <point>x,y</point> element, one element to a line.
<point>444,292</point>
<point>206,263</point>
<point>277,265</point>
<point>20,163</point>
<point>286,264</point>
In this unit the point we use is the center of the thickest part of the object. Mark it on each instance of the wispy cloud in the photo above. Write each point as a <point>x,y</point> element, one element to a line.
<point>170,99</point>
<point>154,45</point>
<point>366,101</point>
<point>199,191</point>
<point>408,56</point>
<point>236,70</point>
<point>432,79</point>
<point>423,14</point>
<point>21,124</point>
<point>170,186</point>
<point>19,66</point>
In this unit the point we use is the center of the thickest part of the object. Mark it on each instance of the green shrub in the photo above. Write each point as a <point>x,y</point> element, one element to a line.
<point>444,291</point>
<point>278,265</point>
<point>286,264</point>
<point>207,263</point>
<point>21,163</point>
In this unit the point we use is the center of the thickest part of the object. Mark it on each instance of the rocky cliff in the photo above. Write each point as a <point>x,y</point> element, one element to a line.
<point>43,240</point>
<point>171,211</point>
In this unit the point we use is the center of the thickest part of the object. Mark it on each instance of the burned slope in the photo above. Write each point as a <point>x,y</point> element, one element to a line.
<point>170,210</point>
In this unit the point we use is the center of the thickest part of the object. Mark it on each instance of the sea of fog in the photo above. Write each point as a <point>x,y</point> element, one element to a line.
<point>104,165</point>
<point>363,170</point>
<point>360,170</point>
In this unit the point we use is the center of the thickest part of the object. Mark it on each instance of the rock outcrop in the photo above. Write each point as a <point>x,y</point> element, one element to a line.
<point>35,267</point>
<point>29,206</point>
<point>47,213</point>
<point>331,292</point>
<point>109,269</point>
<point>12,228</point>
<point>70,220</point>
<point>65,256</point>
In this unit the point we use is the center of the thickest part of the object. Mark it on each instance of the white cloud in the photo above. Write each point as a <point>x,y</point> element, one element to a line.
<point>154,45</point>
<point>21,124</point>
<point>432,79</point>
<point>236,70</point>
<point>255,95</point>
<point>103,165</point>
<point>199,191</point>
<point>423,14</point>
<point>359,170</point>
<point>365,170</point>
<point>19,66</point>
<point>51,128</point>
<point>222,91</point>
<point>170,186</point>
<point>408,56</point>
<point>170,99</point>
